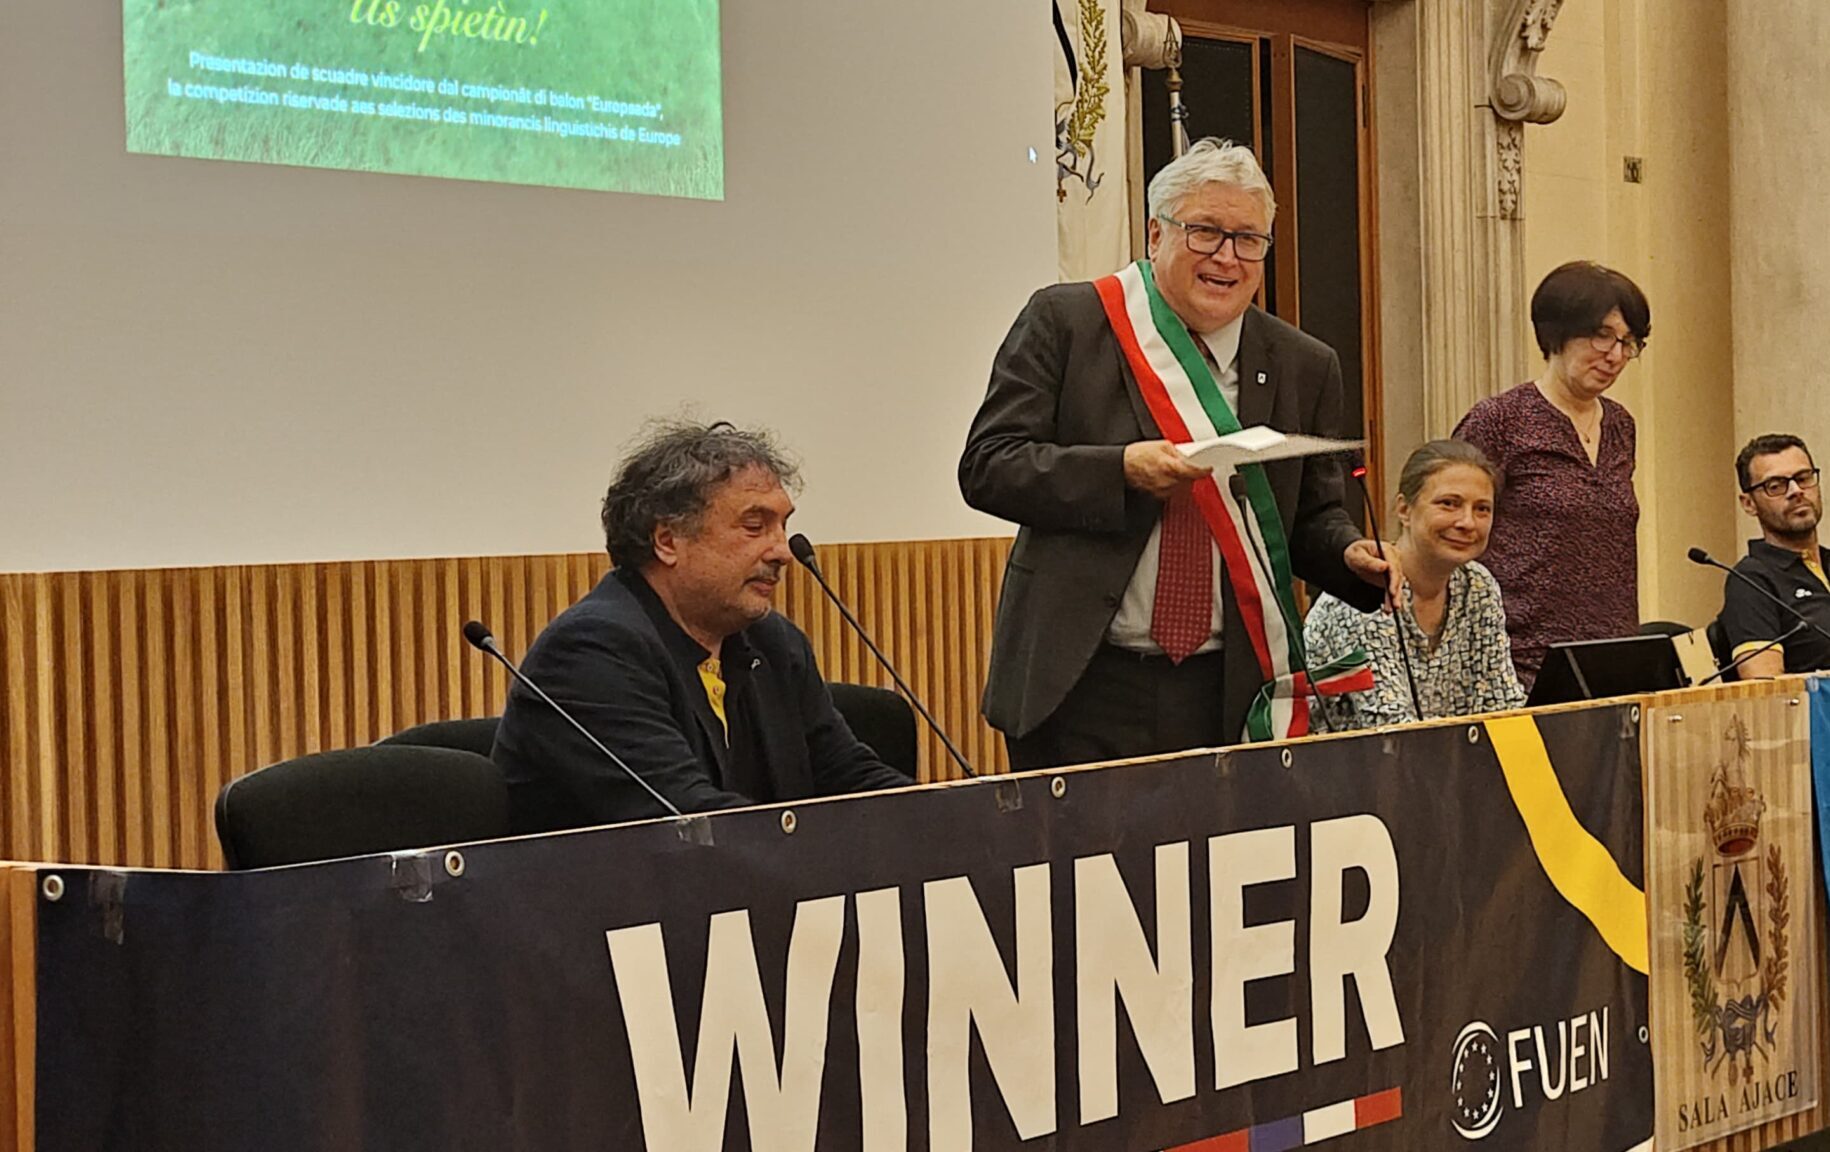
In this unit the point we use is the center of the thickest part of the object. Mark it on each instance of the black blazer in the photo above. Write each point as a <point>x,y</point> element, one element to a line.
<point>1046,451</point>
<point>629,673</point>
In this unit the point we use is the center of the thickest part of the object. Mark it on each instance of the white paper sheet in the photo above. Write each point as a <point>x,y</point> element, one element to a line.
<point>1257,444</point>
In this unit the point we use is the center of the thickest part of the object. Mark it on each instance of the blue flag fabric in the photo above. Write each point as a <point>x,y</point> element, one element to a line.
<point>1819,695</point>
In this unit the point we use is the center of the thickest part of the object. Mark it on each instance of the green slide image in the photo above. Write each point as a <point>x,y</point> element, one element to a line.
<point>614,95</point>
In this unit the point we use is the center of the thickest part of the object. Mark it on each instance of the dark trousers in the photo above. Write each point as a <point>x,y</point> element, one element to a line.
<point>1128,705</point>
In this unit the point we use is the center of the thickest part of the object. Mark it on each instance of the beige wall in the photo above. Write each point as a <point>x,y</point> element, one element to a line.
<point>1649,79</point>
<point>1778,72</point>
<point>208,363</point>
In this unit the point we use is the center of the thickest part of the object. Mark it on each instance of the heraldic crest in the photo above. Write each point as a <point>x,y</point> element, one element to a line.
<point>1737,908</point>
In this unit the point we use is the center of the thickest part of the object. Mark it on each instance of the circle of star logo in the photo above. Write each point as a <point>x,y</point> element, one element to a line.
<point>1475,1085</point>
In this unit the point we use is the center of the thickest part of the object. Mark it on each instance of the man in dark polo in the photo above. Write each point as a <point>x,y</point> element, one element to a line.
<point>676,660</point>
<point>1779,488</point>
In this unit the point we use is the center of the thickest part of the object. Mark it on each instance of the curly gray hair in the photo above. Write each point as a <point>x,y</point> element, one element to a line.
<point>669,477</point>
<point>1209,161</point>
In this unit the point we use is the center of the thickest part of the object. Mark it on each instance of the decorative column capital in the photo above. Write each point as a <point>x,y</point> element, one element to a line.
<point>1518,94</point>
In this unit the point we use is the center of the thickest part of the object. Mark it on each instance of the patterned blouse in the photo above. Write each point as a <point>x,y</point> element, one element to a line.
<point>1565,532</point>
<point>1467,673</point>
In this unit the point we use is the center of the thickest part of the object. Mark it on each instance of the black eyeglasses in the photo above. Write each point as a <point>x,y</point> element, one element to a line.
<point>1777,486</point>
<point>1604,342</point>
<point>1205,240</point>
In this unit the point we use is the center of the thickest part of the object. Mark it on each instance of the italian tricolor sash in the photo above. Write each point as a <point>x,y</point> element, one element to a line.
<point>1186,402</point>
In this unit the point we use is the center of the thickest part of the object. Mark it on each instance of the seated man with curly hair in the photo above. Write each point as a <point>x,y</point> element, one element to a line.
<point>675,661</point>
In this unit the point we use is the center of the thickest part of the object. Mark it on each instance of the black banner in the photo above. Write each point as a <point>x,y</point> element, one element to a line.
<point>1347,940</point>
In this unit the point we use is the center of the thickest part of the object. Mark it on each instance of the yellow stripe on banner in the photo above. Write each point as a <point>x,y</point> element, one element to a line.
<point>1577,864</point>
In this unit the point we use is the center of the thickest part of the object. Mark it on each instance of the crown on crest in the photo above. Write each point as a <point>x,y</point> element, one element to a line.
<point>1735,806</point>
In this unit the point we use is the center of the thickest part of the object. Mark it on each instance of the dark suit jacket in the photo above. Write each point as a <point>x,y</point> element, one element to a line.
<point>620,664</point>
<point>1047,452</point>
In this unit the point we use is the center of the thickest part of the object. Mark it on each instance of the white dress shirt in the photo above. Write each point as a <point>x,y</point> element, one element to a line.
<point>1130,628</point>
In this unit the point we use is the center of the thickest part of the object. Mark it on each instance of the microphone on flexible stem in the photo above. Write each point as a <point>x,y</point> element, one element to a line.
<point>803,552</point>
<point>1698,556</point>
<point>1749,655</point>
<point>1235,484</point>
<point>1356,466</point>
<point>479,638</point>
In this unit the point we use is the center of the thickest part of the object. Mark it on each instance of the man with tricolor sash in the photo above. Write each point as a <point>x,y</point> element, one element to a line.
<point>1148,605</point>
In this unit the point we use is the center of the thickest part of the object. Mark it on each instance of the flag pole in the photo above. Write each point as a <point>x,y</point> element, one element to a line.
<point>1178,112</point>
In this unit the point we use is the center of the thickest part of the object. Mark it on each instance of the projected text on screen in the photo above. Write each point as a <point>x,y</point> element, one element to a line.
<point>616,95</point>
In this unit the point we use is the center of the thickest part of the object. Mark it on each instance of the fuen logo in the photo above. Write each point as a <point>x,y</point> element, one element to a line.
<point>1567,1057</point>
<point>1476,1082</point>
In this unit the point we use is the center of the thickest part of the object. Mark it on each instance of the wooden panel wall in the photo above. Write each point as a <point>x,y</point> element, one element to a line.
<point>129,698</point>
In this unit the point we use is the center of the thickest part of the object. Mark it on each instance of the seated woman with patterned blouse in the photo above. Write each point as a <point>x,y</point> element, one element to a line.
<point>1451,625</point>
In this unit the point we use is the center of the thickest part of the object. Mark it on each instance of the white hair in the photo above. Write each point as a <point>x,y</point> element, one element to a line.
<point>1209,161</point>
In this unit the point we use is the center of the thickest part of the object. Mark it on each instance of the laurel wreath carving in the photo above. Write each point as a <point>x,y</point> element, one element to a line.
<point>1090,99</point>
<point>1779,917</point>
<point>1703,1002</point>
<point>1775,970</point>
<point>1077,120</point>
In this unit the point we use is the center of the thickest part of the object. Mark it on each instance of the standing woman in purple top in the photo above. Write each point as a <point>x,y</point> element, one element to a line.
<point>1564,546</point>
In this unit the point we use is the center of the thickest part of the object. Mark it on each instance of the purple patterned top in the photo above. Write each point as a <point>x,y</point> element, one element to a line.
<point>1565,533</point>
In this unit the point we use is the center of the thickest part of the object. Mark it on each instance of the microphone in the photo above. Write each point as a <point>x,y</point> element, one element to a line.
<point>1746,656</point>
<point>803,552</point>
<point>1698,556</point>
<point>478,637</point>
<point>1356,466</point>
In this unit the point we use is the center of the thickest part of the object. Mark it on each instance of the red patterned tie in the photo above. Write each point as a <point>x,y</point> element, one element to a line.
<point>1182,619</point>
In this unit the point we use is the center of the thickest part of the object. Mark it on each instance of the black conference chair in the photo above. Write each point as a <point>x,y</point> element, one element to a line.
<point>1663,628</point>
<point>1718,643</point>
<point>477,736</point>
<point>359,801</point>
<point>880,718</point>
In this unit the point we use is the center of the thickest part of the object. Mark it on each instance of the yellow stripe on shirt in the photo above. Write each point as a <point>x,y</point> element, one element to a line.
<point>1749,646</point>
